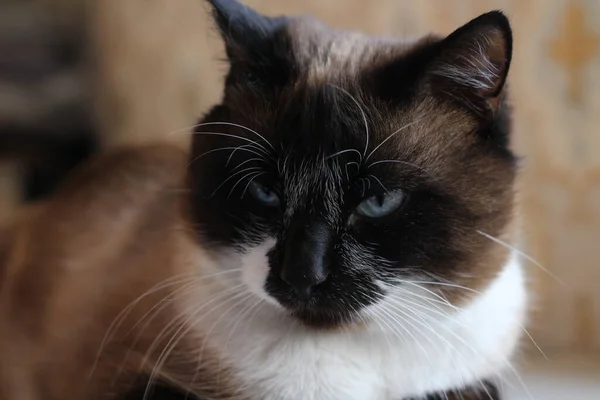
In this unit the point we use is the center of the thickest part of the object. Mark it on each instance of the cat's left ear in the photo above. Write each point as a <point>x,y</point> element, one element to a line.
<point>473,61</point>
<point>246,32</point>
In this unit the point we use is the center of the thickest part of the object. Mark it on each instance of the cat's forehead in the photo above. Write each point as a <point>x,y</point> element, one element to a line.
<point>315,184</point>
<point>327,54</point>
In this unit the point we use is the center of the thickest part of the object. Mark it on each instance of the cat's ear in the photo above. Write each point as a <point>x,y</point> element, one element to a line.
<point>245,31</point>
<point>472,63</point>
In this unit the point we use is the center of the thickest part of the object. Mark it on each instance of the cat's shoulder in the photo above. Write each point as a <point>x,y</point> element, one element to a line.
<point>135,167</point>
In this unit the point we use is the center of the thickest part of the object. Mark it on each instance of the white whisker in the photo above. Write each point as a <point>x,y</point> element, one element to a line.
<point>238,126</point>
<point>258,145</point>
<point>389,137</point>
<point>242,148</point>
<point>249,182</point>
<point>525,256</point>
<point>364,116</point>
<point>240,180</point>
<point>234,175</point>
<point>343,152</point>
<point>378,181</point>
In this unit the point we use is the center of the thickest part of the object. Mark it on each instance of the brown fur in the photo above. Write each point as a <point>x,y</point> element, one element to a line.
<point>76,262</point>
<point>445,145</point>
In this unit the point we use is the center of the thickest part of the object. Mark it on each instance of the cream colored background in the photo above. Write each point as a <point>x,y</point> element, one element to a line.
<point>157,71</point>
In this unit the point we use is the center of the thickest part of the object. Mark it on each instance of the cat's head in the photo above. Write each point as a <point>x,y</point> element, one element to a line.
<point>341,168</point>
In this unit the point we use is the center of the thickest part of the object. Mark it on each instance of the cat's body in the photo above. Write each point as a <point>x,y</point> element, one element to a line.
<point>66,279</point>
<point>356,255</point>
<point>61,294</point>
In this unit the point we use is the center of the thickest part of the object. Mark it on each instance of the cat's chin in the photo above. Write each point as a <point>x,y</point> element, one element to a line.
<point>322,319</point>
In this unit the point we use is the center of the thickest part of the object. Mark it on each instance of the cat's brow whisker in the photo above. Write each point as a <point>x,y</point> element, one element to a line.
<point>242,148</point>
<point>246,162</point>
<point>247,146</point>
<point>343,152</point>
<point>363,114</point>
<point>379,181</point>
<point>522,254</point>
<point>351,163</point>
<point>242,171</point>
<point>389,137</point>
<point>237,126</point>
<point>249,182</point>
<point>239,181</point>
<point>254,142</point>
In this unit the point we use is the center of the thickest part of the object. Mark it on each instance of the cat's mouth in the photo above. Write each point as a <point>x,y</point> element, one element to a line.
<point>325,309</point>
<point>325,319</point>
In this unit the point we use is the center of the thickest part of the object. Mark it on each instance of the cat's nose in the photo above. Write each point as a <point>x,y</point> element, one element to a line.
<point>306,257</point>
<point>303,284</point>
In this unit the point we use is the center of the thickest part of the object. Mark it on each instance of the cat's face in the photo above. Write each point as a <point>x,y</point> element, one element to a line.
<point>342,167</point>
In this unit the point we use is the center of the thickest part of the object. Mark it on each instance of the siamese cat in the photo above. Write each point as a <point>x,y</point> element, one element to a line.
<point>341,229</point>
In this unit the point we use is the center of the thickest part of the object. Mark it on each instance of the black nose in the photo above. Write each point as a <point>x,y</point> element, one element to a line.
<point>303,285</point>
<point>306,256</point>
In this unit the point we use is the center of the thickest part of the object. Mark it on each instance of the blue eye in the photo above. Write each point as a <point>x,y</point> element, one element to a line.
<point>263,194</point>
<point>381,205</point>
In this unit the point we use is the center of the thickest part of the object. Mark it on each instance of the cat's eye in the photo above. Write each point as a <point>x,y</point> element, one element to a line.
<point>263,194</point>
<point>381,205</point>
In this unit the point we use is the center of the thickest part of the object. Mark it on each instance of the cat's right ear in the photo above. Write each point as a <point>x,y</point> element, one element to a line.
<point>247,34</point>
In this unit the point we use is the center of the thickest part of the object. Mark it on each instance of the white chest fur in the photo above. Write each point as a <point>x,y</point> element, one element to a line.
<point>396,357</point>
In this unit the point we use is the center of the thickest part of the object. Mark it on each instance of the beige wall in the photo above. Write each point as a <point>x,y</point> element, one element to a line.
<point>157,71</point>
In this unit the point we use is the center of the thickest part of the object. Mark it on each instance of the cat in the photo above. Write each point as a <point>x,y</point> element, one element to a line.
<point>342,228</point>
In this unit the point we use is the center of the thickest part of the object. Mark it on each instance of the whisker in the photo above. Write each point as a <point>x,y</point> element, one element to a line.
<point>256,307</point>
<point>390,136</point>
<point>159,306</point>
<point>448,285</point>
<point>260,146</point>
<point>242,148</point>
<point>246,162</point>
<point>445,301</point>
<point>171,281</point>
<point>238,126</point>
<point>170,324</point>
<point>525,256</point>
<point>249,146</point>
<point>364,116</point>
<point>535,343</point>
<point>249,182</point>
<point>343,152</point>
<point>507,363</point>
<point>378,181</point>
<point>232,176</point>
<point>178,335</point>
<point>246,296</point>
<point>239,181</point>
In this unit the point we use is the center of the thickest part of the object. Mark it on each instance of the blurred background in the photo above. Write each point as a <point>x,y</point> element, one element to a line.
<point>81,76</point>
